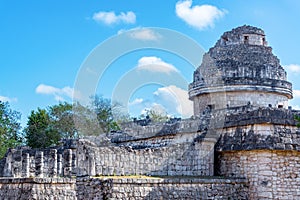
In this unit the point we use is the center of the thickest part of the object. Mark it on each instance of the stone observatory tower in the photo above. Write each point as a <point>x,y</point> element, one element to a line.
<point>240,70</point>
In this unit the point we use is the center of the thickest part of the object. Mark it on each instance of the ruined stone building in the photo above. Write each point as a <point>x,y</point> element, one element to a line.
<point>242,143</point>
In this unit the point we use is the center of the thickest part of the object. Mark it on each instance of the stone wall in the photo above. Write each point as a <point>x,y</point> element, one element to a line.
<point>272,174</point>
<point>235,99</point>
<point>263,146</point>
<point>134,131</point>
<point>26,162</point>
<point>162,141</point>
<point>260,148</point>
<point>259,136</point>
<point>262,116</point>
<point>162,188</point>
<point>123,188</point>
<point>190,158</point>
<point>178,151</point>
<point>256,99</point>
<point>37,188</point>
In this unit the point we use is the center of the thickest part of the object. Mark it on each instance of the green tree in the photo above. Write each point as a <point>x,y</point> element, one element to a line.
<point>103,108</point>
<point>46,127</point>
<point>120,113</point>
<point>40,132</point>
<point>62,120</point>
<point>156,116</point>
<point>85,120</point>
<point>9,128</point>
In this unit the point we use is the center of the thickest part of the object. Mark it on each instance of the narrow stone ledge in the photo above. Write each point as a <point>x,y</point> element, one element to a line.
<point>37,180</point>
<point>170,180</point>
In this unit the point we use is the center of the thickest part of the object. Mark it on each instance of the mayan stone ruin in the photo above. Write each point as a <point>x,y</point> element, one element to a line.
<point>241,143</point>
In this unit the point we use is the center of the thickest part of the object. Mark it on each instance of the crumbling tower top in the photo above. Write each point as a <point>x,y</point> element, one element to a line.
<point>240,70</point>
<point>243,35</point>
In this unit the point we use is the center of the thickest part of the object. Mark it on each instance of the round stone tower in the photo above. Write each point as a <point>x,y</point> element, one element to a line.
<point>240,70</point>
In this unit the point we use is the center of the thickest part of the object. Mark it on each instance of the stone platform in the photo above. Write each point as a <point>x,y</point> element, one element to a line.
<point>124,188</point>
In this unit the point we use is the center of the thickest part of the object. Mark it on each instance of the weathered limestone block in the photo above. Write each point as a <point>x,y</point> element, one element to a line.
<point>158,188</point>
<point>37,188</point>
<point>53,163</point>
<point>67,162</point>
<point>92,165</point>
<point>26,165</point>
<point>17,163</point>
<point>39,164</point>
<point>272,174</point>
<point>7,169</point>
<point>59,165</point>
<point>74,160</point>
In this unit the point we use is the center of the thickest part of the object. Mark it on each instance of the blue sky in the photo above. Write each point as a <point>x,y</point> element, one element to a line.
<point>44,45</point>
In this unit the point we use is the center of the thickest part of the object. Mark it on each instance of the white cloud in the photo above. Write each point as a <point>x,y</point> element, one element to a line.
<point>155,64</point>
<point>140,33</point>
<point>8,99</point>
<point>110,18</point>
<point>121,31</point>
<point>198,16</point>
<point>293,68</point>
<point>169,100</point>
<point>175,100</point>
<point>296,93</point>
<point>58,93</point>
<point>139,106</point>
<point>295,102</point>
<point>145,34</point>
<point>158,108</point>
<point>296,107</point>
<point>136,102</point>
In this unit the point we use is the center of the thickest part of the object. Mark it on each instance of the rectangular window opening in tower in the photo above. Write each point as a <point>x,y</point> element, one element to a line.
<point>264,41</point>
<point>246,39</point>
